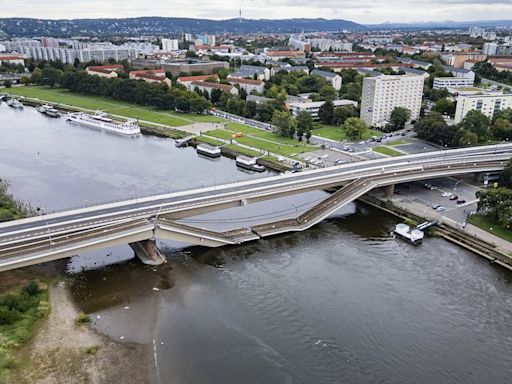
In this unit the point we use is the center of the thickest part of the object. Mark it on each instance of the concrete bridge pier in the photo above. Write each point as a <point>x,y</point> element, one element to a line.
<point>389,190</point>
<point>147,252</point>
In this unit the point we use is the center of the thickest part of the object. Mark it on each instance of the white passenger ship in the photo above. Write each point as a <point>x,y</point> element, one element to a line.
<point>99,121</point>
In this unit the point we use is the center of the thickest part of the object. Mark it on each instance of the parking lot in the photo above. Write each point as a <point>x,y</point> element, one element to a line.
<point>425,195</point>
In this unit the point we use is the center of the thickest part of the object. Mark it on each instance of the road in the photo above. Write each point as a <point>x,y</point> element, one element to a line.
<point>253,189</point>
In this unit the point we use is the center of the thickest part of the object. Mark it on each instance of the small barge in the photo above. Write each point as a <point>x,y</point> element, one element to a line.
<point>208,150</point>
<point>249,163</point>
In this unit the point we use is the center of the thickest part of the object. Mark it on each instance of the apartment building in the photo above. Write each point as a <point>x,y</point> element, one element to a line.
<point>188,80</point>
<point>487,104</point>
<point>209,87</point>
<point>331,77</point>
<point>105,70</point>
<point>452,82</point>
<point>247,84</point>
<point>169,45</point>
<point>457,59</point>
<point>253,72</point>
<point>314,106</point>
<point>189,66</point>
<point>151,76</point>
<point>382,94</point>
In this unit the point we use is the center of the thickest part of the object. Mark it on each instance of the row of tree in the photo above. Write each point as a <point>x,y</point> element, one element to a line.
<point>133,91</point>
<point>473,129</point>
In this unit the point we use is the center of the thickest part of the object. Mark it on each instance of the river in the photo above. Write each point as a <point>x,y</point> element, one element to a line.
<point>341,302</point>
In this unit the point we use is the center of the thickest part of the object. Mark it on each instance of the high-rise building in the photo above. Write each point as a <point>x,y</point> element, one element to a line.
<point>49,42</point>
<point>169,45</point>
<point>487,104</point>
<point>382,94</point>
<point>490,49</point>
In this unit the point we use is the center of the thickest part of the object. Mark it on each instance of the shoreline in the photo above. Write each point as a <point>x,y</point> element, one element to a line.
<point>452,234</point>
<point>158,130</point>
<point>62,351</point>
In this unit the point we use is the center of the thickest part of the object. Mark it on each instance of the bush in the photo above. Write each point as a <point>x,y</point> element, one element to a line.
<point>19,303</point>
<point>8,316</point>
<point>32,288</point>
<point>82,319</point>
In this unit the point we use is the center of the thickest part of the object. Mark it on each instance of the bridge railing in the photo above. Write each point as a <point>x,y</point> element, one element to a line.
<point>452,158</point>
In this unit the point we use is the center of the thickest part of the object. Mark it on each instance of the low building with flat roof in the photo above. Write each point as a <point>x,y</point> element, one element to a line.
<point>313,107</point>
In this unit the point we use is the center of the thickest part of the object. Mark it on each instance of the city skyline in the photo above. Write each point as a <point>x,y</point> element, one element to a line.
<point>363,11</point>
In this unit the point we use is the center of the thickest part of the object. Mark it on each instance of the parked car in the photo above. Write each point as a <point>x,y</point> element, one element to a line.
<point>461,201</point>
<point>447,194</point>
<point>454,197</point>
<point>427,185</point>
<point>440,209</point>
<point>435,206</point>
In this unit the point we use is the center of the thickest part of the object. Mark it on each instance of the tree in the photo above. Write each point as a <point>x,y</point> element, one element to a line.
<point>354,128</point>
<point>327,92</point>
<point>503,114</point>
<point>496,204</point>
<point>506,175</point>
<point>25,80</point>
<point>8,83</point>
<point>400,116</point>
<point>351,91</point>
<point>502,129</point>
<point>304,124</point>
<point>325,112</point>
<point>215,95</point>
<point>342,113</point>
<point>445,106</point>
<point>433,128</point>
<point>51,76</point>
<point>284,124</point>
<point>476,122</point>
<point>468,138</point>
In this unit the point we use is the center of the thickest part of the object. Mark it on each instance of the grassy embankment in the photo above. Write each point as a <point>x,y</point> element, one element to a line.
<point>338,134</point>
<point>10,209</point>
<point>387,151</point>
<point>262,140</point>
<point>21,311</point>
<point>491,226</point>
<point>122,109</point>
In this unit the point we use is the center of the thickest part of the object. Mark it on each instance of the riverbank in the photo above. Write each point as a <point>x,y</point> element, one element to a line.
<point>10,209</point>
<point>62,351</point>
<point>447,230</point>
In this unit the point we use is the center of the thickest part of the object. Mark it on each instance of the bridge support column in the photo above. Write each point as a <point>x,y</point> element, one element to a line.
<point>478,177</point>
<point>389,190</point>
<point>147,252</point>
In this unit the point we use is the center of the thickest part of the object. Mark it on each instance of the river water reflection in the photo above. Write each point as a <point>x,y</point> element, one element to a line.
<point>342,302</point>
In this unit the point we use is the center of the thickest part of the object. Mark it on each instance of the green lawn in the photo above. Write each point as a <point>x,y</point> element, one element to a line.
<point>220,133</point>
<point>336,133</point>
<point>486,223</point>
<point>243,150</point>
<point>237,127</point>
<point>387,151</point>
<point>111,106</point>
<point>209,140</point>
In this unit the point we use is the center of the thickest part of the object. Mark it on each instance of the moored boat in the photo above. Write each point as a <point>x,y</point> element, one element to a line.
<point>127,128</point>
<point>14,103</point>
<point>208,150</point>
<point>414,236</point>
<point>249,163</point>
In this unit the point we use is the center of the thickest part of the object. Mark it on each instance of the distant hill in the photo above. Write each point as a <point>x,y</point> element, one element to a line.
<point>442,24</point>
<point>24,27</point>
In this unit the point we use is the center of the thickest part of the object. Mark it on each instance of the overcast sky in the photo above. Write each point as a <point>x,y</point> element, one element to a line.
<point>361,11</point>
